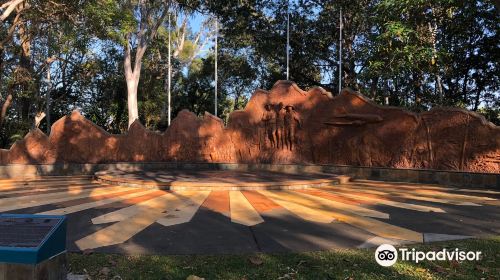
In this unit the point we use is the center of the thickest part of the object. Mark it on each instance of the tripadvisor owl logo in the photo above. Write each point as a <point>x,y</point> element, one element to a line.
<point>386,255</point>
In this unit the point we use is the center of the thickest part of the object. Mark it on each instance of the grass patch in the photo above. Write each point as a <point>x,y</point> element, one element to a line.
<point>334,264</point>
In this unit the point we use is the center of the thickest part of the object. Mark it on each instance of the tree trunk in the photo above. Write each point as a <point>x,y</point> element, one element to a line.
<point>439,87</point>
<point>349,75</point>
<point>464,87</point>
<point>133,112</point>
<point>132,76</point>
<point>5,106</point>
<point>25,73</point>
<point>417,89</point>
<point>38,118</point>
<point>239,93</point>
<point>9,7</point>
<point>1,68</point>
<point>477,99</point>
<point>373,88</point>
<point>164,106</point>
<point>49,84</point>
<point>433,27</point>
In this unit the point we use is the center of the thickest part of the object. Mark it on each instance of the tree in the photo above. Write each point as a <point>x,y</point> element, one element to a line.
<point>101,53</point>
<point>416,54</point>
<point>139,23</point>
<point>24,24</point>
<point>151,15</point>
<point>186,46</point>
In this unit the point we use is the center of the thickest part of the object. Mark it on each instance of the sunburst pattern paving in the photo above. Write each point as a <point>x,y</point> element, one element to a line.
<point>111,218</point>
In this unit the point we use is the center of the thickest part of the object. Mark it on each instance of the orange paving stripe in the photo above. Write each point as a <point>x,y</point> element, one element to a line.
<point>356,192</point>
<point>432,192</point>
<point>218,201</point>
<point>363,194</point>
<point>260,202</point>
<point>374,196</point>
<point>135,200</point>
<point>70,203</point>
<point>331,196</point>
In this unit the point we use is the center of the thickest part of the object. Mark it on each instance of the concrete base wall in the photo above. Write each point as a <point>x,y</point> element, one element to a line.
<point>451,178</point>
<point>51,269</point>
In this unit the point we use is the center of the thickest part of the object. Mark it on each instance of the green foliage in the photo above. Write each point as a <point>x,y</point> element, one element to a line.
<point>414,53</point>
<point>109,19</point>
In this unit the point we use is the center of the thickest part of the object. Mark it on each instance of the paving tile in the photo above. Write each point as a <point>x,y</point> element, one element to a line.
<point>360,213</point>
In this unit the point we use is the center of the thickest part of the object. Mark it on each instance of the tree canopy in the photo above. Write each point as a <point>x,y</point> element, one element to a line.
<point>60,55</point>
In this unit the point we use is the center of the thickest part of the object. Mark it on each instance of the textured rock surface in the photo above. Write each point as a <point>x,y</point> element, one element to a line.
<point>313,128</point>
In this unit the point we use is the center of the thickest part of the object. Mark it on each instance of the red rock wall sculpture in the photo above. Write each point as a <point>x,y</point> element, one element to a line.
<point>311,127</point>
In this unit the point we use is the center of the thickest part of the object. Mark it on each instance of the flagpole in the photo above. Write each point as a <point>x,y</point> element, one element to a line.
<point>169,71</point>
<point>288,40</point>
<point>216,35</point>
<point>49,89</point>
<point>49,84</point>
<point>340,52</point>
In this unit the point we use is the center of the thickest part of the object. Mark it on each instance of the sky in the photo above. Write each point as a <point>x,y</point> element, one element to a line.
<point>196,23</point>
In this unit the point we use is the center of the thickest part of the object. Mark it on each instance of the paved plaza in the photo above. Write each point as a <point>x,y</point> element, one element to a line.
<point>113,218</point>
